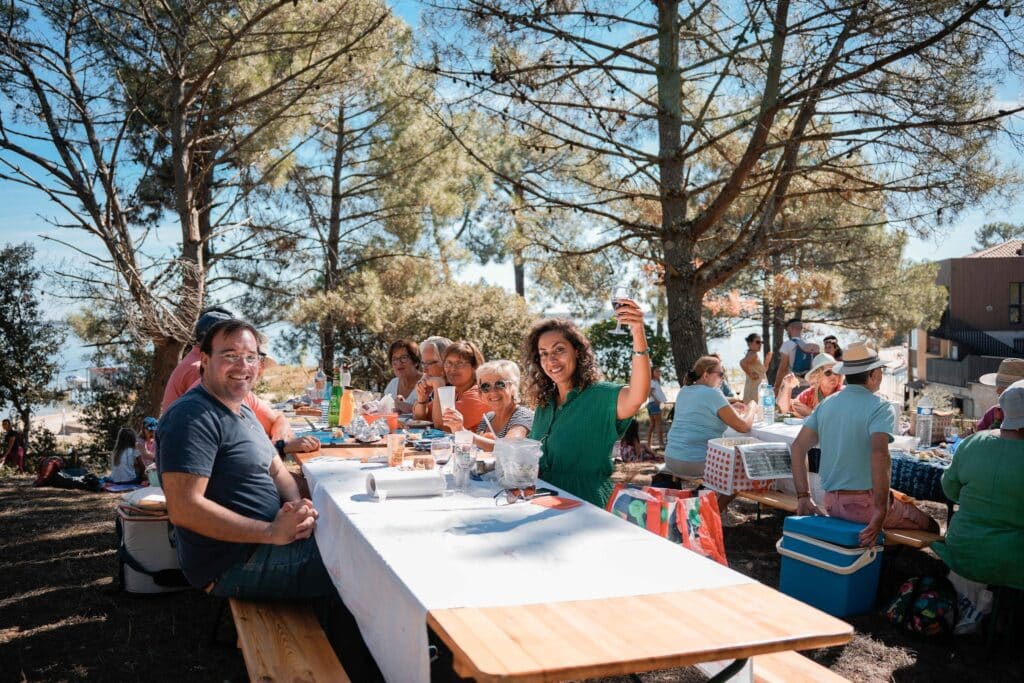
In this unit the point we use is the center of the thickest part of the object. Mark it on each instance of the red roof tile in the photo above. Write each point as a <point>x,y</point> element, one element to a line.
<point>1005,250</point>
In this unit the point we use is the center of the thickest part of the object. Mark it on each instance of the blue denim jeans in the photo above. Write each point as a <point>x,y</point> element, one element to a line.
<point>278,572</point>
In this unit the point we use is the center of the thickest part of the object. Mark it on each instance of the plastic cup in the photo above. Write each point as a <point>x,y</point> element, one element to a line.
<point>446,395</point>
<point>396,449</point>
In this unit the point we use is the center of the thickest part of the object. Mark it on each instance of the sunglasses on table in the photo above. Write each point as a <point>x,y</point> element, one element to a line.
<point>497,386</point>
<point>513,495</point>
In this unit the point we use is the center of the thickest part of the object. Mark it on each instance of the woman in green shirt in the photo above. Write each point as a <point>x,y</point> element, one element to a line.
<point>578,417</point>
<point>985,539</point>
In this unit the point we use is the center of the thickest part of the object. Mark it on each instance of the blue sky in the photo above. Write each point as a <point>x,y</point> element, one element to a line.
<point>24,211</point>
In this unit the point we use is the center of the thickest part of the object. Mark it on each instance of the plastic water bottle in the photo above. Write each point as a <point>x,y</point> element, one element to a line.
<point>767,398</point>
<point>320,381</point>
<point>923,430</point>
<point>325,403</point>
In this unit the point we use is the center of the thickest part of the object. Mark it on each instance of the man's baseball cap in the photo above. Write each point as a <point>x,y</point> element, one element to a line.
<point>208,319</point>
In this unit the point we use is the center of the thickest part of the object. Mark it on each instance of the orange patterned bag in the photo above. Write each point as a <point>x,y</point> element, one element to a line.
<point>690,518</point>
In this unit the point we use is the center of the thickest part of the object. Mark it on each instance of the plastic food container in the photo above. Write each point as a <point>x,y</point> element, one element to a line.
<point>518,461</point>
<point>392,419</point>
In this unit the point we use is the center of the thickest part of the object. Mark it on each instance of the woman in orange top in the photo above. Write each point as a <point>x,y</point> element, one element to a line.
<point>461,359</point>
<point>824,383</point>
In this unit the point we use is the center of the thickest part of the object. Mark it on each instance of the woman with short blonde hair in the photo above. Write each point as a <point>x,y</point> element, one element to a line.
<point>498,382</point>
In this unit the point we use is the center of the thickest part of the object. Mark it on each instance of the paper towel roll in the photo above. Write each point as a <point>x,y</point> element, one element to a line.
<point>405,484</point>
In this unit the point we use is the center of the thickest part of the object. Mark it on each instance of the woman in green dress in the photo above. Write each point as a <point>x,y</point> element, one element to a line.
<point>579,417</point>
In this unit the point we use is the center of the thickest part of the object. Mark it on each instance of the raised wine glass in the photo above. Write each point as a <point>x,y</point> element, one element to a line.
<point>618,294</point>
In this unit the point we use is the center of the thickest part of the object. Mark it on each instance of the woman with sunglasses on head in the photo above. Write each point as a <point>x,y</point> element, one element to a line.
<point>753,368</point>
<point>432,358</point>
<point>703,413</point>
<point>578,417</point>
<point>404,356</point>
<point>824,383</point>
<point>460,361</point>
<point>498,382</point>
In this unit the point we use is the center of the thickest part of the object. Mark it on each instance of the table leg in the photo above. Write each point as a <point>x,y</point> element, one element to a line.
<point>736,671</point>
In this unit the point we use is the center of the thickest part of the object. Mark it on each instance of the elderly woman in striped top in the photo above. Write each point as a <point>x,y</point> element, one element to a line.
<point>498,381</point>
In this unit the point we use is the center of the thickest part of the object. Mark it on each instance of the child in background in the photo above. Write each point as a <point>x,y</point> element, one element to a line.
<point>125,464</point>
<point>630,449</point>
<point>145,445</point>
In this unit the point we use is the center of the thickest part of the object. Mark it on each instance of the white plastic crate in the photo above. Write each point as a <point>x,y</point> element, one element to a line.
<point>723,468</point>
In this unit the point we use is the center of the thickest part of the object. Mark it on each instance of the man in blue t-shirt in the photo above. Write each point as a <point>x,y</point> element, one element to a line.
<point>243,528</point>
<point>854,428</point>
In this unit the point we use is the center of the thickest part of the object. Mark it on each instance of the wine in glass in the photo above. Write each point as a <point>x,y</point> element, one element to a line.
<point>618,294</point>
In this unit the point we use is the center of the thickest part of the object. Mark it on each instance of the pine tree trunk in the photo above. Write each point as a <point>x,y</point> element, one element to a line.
<point>685,325</point>
<point>166,355</point>
<point>332,273</point>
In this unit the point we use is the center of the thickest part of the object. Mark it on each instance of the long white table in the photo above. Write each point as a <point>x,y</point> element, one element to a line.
<point>396,562</point>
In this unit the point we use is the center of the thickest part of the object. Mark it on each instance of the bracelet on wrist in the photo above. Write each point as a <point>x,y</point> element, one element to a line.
<point>645,352</point>
<point>802,494</point>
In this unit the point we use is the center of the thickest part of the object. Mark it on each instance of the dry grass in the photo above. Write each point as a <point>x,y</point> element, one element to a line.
<point>62,618</point>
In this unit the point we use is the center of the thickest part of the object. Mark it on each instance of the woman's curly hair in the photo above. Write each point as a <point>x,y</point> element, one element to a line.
<point>538,388</point>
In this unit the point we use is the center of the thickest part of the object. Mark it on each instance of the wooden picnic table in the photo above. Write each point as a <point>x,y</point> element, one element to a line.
<point>647,620</point>
<point>623,635</point>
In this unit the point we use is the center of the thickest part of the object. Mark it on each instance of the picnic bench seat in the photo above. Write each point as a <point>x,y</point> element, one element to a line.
<point>791,667</point>
<point>283,642</point>
<point>786,501</point>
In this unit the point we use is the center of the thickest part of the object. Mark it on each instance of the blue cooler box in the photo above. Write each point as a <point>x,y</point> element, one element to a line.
<point>823,565</point>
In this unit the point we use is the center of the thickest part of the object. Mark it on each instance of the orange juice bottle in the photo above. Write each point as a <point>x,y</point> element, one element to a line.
<point>347,402</point>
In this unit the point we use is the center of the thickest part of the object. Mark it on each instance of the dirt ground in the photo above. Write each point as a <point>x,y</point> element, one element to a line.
<point>62,617</point>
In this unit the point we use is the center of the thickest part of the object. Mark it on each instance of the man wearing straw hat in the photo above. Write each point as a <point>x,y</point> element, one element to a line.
<point>853,429</point>
<point>1010,370</point>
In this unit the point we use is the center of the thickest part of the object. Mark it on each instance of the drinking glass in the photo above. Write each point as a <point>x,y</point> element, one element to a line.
<point>952,434</point>
<point>441,449</point>
<point>464,460</point>
<point>396,449</point>
<point>618,294</point>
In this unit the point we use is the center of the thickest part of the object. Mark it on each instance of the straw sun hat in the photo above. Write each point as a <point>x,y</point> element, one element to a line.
<point>858,357</point>
<point>1010,371</point>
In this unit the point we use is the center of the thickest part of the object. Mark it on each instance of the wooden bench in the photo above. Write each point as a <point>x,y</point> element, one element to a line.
<point>791,667</point>
<point>283,642</point>
<point>785,501</point>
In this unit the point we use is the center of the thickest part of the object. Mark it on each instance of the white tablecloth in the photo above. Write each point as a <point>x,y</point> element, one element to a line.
<point>393,562</point>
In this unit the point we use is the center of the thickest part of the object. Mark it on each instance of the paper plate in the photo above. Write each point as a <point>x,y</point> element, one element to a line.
<point>793,421</point>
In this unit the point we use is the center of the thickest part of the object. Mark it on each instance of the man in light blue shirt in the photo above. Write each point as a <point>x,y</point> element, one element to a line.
<point>853,429</point>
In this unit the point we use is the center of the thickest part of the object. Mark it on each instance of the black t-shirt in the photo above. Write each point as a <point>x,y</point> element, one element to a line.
<point>200,435</point>
<point>8,435</point>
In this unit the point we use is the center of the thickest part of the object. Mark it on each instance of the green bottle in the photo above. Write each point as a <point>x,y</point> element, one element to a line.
<point>337,391</point>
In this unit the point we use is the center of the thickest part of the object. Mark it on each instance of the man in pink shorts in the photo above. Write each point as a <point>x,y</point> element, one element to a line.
<point>853,430</point>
